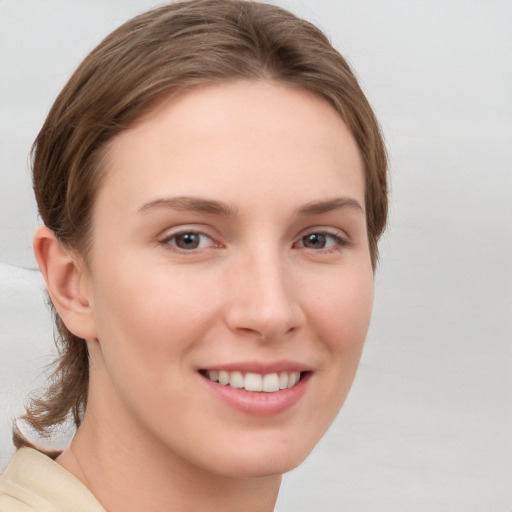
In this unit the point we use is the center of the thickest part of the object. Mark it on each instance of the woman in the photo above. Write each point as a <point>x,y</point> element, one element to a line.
<point>212,183</point>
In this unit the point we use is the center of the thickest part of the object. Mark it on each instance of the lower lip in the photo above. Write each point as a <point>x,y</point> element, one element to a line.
<point>259,403</point>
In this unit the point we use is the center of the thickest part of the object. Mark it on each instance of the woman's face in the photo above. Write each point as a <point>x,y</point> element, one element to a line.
<point>229,244</point>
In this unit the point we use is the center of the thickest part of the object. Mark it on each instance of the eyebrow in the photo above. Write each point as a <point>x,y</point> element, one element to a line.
<point>187,203</point>
<point>319,207</point>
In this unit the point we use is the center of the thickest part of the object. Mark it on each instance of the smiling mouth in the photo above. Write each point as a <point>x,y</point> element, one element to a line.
<point>267,383</point>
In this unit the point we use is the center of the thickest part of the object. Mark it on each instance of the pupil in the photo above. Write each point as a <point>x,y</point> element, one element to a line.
<point>315,240</point>
<point>188,241</point>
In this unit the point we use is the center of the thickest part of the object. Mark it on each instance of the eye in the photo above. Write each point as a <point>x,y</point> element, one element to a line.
<point>322,240</point>
<point>189,241</point>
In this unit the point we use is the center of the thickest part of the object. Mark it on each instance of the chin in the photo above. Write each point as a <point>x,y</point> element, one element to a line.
<point>260,468</point>
<point>258,459</point>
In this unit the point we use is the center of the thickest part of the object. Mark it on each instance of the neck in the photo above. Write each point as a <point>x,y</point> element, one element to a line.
<point>127,475</point>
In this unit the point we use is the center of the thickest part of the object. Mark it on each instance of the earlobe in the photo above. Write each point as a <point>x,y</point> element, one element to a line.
<point>66,283</point>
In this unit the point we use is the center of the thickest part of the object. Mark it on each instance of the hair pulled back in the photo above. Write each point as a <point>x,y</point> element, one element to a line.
<point>152,58</point>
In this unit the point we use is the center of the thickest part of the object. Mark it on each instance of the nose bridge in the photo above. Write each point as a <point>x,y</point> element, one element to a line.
<point>265,302</point>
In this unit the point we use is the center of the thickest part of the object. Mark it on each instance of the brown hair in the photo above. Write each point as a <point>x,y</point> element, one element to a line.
<point>153,57</point>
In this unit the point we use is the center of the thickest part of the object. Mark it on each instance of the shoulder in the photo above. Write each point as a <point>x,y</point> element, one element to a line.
<point>33,481</point>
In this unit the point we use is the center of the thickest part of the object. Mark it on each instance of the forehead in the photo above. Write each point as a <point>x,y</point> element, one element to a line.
<point>239,139</point>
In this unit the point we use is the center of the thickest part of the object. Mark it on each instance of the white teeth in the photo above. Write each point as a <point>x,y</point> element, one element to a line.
<point>253,382</point>
<point>293,378</point>
<point>223,378</point>
<point>269,383</point>
<point>283,380</point>
<point>236,380</point>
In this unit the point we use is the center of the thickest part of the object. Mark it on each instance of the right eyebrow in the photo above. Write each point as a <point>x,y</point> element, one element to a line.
<point>189,203</point>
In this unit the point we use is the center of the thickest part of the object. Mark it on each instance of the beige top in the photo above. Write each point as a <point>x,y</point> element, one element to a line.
<point>33,481</point>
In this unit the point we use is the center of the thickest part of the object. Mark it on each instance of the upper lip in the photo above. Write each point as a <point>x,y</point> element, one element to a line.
<point>261,367</point>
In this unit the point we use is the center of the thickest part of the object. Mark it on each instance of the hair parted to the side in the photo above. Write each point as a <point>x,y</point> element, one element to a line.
<point>152,58</point>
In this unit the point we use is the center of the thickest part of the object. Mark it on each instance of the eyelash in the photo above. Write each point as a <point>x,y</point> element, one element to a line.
<point>167,241</point>
<point>339,242</point>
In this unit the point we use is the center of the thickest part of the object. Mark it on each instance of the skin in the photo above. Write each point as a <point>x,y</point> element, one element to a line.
<point>154,437</point>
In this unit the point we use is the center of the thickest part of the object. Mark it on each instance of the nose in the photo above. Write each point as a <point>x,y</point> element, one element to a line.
<point>264,298</point>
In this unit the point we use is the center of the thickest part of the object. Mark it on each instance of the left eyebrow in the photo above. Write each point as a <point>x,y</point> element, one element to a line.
<point>319,207</point>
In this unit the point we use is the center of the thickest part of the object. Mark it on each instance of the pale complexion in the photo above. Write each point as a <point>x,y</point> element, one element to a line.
<point>229,232</point>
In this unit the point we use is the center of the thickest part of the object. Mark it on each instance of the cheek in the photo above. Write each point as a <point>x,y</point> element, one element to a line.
<point>338,319</point>
<point>149,330</point>
<point>344,309</point>
<point>343,317</point>
<point>145,320</point>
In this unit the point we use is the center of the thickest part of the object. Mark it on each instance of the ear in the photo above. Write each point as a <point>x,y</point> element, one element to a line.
<point>67,283</point>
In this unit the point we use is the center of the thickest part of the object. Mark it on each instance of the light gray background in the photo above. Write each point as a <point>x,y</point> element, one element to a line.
<point>427,426</point>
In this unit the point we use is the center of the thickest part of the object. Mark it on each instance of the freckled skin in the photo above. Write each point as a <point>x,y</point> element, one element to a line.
<point>250,291</point>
